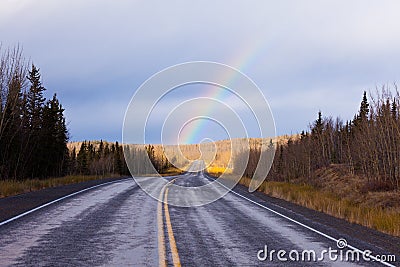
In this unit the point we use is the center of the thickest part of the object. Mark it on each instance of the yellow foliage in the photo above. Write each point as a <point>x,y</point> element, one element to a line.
<point>217,171</point>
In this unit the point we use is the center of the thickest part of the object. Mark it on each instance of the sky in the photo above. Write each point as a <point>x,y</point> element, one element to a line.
<point>305,56</point>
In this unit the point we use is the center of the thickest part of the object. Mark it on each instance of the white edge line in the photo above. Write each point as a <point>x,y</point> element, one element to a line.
<point>308,227</point>
<point>57,200</point>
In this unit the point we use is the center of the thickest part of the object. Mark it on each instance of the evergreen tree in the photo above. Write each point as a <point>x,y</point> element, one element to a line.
<point>72,166</point>
<point>54,139</point>
<point>364,108</point>
<point>100,150</point>
<point>117,158</point>
<point>82,159</point>
<point>318,125</point>
<point>35,101</point>
<point>35,108</point>
<point>33,133</point>
<point>362,115</point>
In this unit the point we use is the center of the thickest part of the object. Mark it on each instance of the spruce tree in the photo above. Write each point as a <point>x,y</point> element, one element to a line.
<point>318,125</point>
<point>82,159</point>
<point>100,150</point>
<point>35,99</point>
<point>35,107</point>
<point>364,108</point>
<point>54,139</point>
<point>33,133</point>
<point>117,159</point>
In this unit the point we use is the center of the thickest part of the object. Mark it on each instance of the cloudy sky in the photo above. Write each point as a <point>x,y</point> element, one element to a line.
<point>305,56</point>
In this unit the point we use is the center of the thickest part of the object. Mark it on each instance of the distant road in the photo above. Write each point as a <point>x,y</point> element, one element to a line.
<point>119,225</point>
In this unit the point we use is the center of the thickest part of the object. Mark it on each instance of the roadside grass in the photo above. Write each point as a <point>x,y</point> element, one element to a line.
<point>14,187</point>
<point>172,171</point>
<point>384,219</point>
<point>218,171</point>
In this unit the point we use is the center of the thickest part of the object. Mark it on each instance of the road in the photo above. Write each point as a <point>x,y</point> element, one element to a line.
<point>118,224</point>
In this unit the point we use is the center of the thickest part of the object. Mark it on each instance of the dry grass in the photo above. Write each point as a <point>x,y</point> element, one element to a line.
<point>172,171</point>
<point>384,219</point>
<point>13,187</point>
<point>218,171</point>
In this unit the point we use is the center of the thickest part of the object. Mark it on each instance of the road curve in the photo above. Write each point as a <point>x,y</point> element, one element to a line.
<point>119,225</point>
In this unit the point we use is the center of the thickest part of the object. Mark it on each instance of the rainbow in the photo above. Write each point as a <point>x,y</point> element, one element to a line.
<point>198,127</point>
<point>241,61</point>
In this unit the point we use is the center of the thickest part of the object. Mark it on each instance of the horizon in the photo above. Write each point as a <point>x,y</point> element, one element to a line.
<point>280,137</point>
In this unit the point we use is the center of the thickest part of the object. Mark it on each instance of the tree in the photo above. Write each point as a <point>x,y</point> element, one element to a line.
<point>35,101</point>
<point>318,125</point>
<point>54,135</point>
<point>33,133</point>
<point>118,159</point>
<point>82,159</point>
<point>34,110</point>
<point>362,115</point>
<point>364,107</point>
<point>12,107</point>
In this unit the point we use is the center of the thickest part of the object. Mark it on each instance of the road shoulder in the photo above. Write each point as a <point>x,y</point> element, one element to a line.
<point>15,205</point>
<point>356,235</point>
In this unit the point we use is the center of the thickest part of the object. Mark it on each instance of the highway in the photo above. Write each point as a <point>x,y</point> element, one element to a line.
<point>118,224</point>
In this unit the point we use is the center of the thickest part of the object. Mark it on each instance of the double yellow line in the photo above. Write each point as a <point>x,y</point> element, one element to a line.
<point>162,256</point>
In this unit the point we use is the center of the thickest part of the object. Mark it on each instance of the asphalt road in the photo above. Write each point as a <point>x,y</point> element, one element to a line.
<point>118,224</point>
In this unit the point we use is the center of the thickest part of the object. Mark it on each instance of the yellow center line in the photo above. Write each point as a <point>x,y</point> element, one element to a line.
<point>172,243</point>
<point>162,259</point>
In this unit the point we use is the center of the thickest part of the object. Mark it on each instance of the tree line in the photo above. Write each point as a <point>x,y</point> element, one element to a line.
<point>33,132</point>
<point>158,158</point>
<point>98,158</point>
<point>368,145</point>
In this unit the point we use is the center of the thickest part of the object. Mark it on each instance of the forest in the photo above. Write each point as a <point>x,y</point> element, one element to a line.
<point>367,146</point>
<point>33,132</point>
<point>99,158</point>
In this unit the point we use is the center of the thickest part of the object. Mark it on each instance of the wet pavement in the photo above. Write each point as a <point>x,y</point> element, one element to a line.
<point>117,225</point>
<point>110,225</point>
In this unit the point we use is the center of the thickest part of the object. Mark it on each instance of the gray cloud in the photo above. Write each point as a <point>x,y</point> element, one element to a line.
<point>304,55</point>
